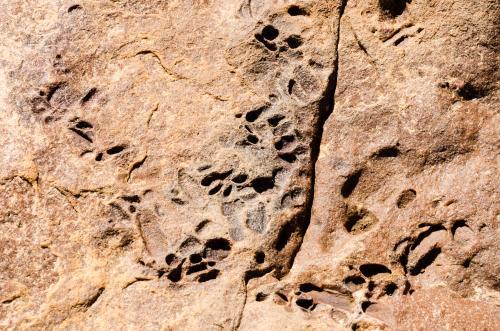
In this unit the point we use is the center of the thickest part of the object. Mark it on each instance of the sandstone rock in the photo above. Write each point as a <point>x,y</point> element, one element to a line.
<point>254,165</point>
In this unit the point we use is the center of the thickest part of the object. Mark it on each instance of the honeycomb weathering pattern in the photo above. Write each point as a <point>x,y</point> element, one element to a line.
<point>207,165</point>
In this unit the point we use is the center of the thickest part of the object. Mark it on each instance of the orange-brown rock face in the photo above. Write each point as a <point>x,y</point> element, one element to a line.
<point>254,165</point>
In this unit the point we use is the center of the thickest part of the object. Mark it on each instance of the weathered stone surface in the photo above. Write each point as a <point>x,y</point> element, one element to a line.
<point>254,165</point>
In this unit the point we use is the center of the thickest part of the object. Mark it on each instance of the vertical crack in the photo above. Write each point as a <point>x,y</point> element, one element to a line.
<point>326,107</point>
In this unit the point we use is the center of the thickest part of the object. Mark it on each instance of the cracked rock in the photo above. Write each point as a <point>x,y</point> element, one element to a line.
<point>253,165</point>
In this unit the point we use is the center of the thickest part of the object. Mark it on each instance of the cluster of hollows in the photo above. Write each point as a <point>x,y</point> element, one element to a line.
<point>249,165</point>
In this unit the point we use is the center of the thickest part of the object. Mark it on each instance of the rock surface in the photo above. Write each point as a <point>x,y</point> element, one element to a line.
<point>253,165</point>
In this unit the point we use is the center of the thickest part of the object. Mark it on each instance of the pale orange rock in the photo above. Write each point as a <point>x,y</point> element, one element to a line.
<point>253,165</point>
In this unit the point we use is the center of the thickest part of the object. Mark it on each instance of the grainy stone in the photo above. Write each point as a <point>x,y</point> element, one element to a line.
<point>254,165</point>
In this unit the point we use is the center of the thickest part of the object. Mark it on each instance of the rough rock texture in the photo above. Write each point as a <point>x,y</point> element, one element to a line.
<point>253,165</point>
